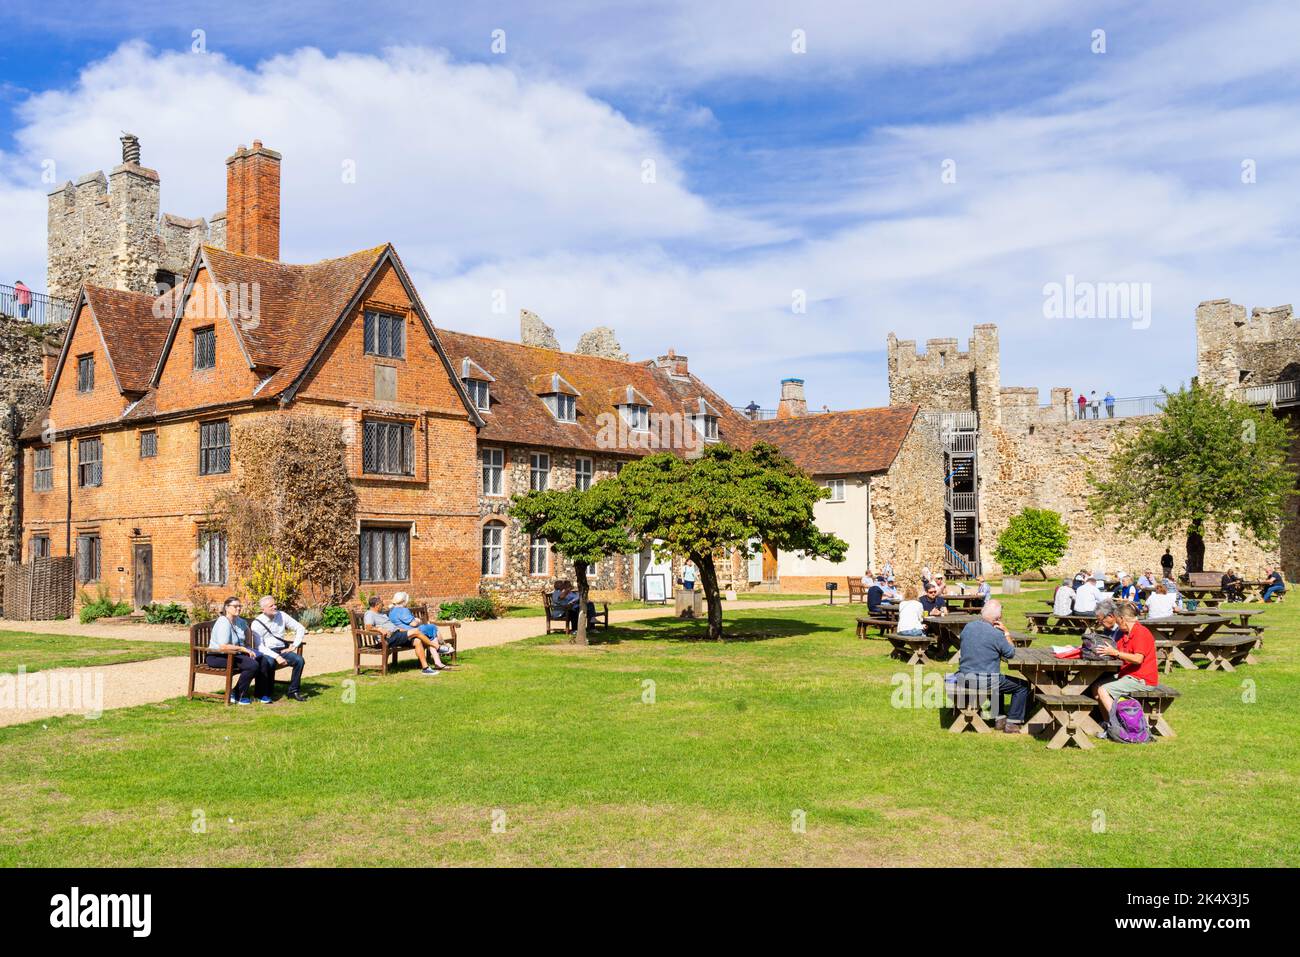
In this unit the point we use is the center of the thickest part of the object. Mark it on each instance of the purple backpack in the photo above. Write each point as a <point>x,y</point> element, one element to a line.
<point>1128,723</point>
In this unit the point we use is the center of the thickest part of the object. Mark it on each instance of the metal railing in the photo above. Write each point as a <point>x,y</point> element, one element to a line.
<point>959,441</point>
<point>956,559</point>
<point>1123,409</point>
<point>953,421</point>
<point>758,415</point>
<point>34,307</point>
<point>1272,394</point>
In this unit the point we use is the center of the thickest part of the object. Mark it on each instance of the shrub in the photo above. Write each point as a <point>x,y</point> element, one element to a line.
<point>469,608</point>
<point>170,614</point>
<point>270,574</point>
<point>201,609</point>
<point>310,617</point>
<point>1035,538</point>
<point>101,606</point>
<point>332,616</point>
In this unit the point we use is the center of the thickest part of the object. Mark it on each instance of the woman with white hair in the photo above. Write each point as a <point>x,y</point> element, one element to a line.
<point>423,632</point>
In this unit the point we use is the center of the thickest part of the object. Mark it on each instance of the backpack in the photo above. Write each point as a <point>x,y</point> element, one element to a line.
<point>1128,723</point>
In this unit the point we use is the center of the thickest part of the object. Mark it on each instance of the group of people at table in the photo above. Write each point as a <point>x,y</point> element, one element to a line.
<point>1157,597</point>
<point>930,599</point>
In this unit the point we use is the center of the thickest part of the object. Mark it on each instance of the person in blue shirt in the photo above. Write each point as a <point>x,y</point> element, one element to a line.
<point>689,575</point>
<point>985,644</point>
<point>1110,405</point>
<point>1277,584</point>
<point>230,635</point>
<point>875,595</point>
<point>424,632</point>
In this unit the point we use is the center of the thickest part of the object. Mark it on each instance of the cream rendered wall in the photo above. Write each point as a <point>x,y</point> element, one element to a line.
<point>849,520</point>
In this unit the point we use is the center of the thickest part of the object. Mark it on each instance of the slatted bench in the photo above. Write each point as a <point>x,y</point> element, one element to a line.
<point>1036,621</point>
<point>1155,702</point>
<point>911,648</point>
<point>857,590</point>
<point>1066,710</point>
<point>884,627</point>
<point>600,618</point>
<point>1225,652</point>
<point>200,635</point>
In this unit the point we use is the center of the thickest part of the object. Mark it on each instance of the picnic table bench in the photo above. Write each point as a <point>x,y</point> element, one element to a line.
<point>911,649</point>
<point>1225,651</point>
<point>200,636</point>
<point>1061,687</point>
<point>1046,621</point>
<point>1178,636</point>
<point>1155,702</point>
<point>884,626</point>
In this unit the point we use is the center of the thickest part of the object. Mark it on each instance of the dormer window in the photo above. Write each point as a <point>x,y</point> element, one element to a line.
<point>705,419</point>
<point>478,383</point>
<point>560,397</point>
<point>637,417</point>
<point>563,407</point>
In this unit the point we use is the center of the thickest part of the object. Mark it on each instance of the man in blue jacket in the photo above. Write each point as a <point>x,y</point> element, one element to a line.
<point>985,644</point>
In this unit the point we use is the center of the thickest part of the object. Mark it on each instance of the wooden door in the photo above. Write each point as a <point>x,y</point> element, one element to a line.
<point>143,575</point>
<point>769,563</point>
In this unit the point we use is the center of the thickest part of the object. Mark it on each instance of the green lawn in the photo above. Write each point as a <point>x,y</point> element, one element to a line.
<point>536,611</point>
<point>556,744</point>
<point>39,652</point>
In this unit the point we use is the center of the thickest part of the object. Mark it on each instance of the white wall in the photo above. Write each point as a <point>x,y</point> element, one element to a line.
<point>849,520</point>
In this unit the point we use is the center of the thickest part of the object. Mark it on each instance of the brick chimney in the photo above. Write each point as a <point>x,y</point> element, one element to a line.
<point>253,202</point>
<point>49,360</point>
<point>675,364</point>
<point>792,402</point>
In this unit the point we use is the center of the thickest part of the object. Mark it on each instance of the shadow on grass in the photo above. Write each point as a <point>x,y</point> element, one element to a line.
<point>686,629</point>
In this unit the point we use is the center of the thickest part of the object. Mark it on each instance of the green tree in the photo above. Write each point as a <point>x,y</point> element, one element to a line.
<point>1206,463</point>
<point>720,501</point>
<point>1035,538</point>
<point>584,527</point>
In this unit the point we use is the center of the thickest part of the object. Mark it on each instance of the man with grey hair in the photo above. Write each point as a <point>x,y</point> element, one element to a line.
<point>985,643</point>
<point>269,628</point>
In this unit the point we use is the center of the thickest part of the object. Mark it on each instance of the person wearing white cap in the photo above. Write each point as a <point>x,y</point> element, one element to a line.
<point>423,632</point>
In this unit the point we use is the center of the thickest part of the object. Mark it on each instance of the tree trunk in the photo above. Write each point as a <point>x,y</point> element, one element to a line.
<point>709,579</point>
<point>580,573</point>
<point>1195,548</point>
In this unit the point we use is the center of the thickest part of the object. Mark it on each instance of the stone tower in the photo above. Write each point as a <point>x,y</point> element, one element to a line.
<point>107,231</point>
<point>1232,351</point>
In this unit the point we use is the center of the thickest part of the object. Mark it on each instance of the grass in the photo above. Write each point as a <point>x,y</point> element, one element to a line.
<point>560,746</point>
<point>536,611</point>
<point>39,652</point>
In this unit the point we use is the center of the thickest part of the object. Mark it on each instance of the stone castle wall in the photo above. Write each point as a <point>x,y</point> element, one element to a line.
<point>22,393</point>
<point>907,507</point>
<point>1232,350</point>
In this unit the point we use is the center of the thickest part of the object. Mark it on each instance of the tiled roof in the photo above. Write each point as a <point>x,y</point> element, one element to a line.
<point>841,443</point>
<point>519,416</point>
<point>297,305</point>
<point>135,326</point>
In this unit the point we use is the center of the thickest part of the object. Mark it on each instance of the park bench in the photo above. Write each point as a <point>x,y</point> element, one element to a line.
<point>857,590</point>
<point>1205,579</point>
<point>601,617</point>
<point>884,627</point>
<point>446,630</point>
<point>372,641</point>
<point>911,648</point>
<point>1155,702</point>
<point>1226,651</point>
<point>1067,709</point>
<point>200,635</point>
<point>969,707</point>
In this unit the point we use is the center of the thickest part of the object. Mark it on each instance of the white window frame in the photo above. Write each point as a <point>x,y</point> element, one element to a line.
<point>637,417</point>
<point>539,556</point>
<point>707,426</point>
<point>490,550</point>
<point>539,464</point>
<point>580,473</point>
<point>480,393</point>
<point>837,490</point>
<point>492,462</point>
<point>563,406</point>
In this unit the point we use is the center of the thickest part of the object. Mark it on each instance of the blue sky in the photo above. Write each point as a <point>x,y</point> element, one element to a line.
<point>519,176</point>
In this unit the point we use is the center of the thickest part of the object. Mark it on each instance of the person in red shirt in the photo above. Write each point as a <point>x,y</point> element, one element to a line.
<point>1136,647</point>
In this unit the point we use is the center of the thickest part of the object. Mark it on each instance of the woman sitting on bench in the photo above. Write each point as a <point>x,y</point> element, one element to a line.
<point>910,624</point>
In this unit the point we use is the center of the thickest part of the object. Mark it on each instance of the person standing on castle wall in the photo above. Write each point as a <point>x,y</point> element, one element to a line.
<point>23,297</point>
<point>1095,403</point>
<point>1110,405</point>
<point>1083,406</point>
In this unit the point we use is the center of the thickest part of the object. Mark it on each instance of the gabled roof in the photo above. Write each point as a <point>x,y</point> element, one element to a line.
<point>132,327</point>
<point>469,369</point>
<point>628,395</point>
<point>520,416</point>
<point>552,383</point>
<point>841,443</point>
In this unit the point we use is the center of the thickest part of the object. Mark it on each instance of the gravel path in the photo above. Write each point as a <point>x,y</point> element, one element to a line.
<point>147,682</point>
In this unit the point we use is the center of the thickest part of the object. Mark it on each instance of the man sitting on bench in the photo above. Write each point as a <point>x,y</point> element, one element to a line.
<point>984,644</point>
<point>1063,601</point>
<point>565,603</point>
<point>932,602</point>
<point>270,627</point>
<point>1233,586</point>
<point>875,595</point>
<point>397,638</point>
<point>424,633</point>
<point>1277,585</point>
<point>1136,647</point>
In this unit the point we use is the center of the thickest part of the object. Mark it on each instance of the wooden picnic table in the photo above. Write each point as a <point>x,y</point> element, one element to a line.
<point>1243,616</point>
<point>1211,596</point>
<point>1045,621</point>
<point>1179,636</point>
<point>963,602</point>
<point>1062,689</point>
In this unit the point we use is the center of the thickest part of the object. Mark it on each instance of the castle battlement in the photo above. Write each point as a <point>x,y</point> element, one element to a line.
<point>1233,350</point>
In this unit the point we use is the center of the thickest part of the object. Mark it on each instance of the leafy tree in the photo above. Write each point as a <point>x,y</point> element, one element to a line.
<point>721,500</point>
<point>1206,463</point>
<point>1035,538</point>
<point>584,527</point>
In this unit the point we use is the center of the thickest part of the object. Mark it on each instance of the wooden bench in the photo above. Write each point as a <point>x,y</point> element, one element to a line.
<point>200,636</point>
<point>601,617</point>
<point>450,637</point>
<point>1155,702</point>
<point>1040,622</point>
<point>1036,621</point>
<point>884,627</point>
<point>372,641</point>
<point>969,707</point>
<point>1225,651</point>
<point>1205,579</point>
<point>857,590</point>
<point>910,648</point>
<point>1066,709</point>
